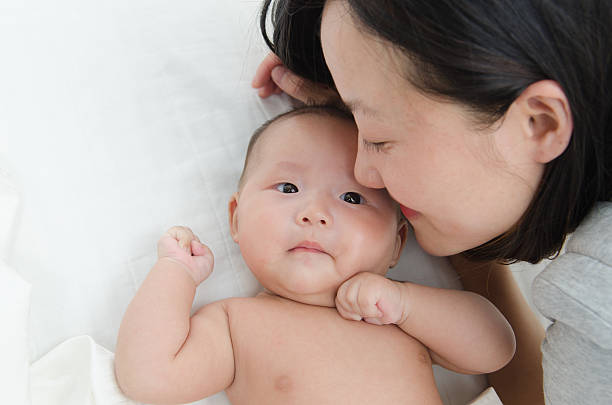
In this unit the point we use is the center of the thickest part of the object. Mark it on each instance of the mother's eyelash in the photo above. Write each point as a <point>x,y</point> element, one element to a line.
<point>373,146</point>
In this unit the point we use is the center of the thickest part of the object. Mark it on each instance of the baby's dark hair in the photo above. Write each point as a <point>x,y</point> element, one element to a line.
<point>321,110</point>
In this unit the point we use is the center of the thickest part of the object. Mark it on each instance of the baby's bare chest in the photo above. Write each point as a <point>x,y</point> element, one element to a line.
<point>292,353</point>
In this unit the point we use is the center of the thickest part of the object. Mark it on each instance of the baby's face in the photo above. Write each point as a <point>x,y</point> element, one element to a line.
<point>303,223</point>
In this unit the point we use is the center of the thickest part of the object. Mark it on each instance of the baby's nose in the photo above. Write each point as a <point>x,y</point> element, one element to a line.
<point>314,214</point>
<point>315,219</point>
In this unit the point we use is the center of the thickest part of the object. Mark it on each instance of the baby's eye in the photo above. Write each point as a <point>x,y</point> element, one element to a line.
<point>286,188</point>
<point>352,198</point>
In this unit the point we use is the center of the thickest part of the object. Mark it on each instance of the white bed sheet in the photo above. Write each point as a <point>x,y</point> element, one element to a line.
<point>118,120</point>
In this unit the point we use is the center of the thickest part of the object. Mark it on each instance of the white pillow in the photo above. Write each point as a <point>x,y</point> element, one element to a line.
<point>121,119</point>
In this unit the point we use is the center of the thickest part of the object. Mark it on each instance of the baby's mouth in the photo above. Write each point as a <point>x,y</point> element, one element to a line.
<point>308,247</point>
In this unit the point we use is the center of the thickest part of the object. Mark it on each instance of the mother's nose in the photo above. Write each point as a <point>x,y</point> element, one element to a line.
<point>367,174</point>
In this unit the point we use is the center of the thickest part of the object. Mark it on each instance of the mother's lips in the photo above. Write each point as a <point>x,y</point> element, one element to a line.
<point>408,213</point>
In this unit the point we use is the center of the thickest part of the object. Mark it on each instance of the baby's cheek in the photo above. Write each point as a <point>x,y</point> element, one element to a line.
<point>376,242</point>
<point>258,246</point>
<point>359,258</point>
<point>253,252</point>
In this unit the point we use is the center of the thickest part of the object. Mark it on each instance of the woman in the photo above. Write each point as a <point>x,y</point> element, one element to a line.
<point>489,122</point>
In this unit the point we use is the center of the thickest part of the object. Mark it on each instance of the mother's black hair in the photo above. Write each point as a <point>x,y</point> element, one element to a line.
<point>483,54</point>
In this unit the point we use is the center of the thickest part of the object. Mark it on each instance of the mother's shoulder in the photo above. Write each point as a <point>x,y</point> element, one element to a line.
<point>593,237</point>
<point>574,289</point>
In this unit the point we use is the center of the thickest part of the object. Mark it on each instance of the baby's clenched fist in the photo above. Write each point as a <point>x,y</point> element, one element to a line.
<point>179,244</point>
<point>373,298</point>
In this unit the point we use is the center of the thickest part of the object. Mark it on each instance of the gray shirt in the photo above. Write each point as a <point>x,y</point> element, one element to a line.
<point>575,293</point>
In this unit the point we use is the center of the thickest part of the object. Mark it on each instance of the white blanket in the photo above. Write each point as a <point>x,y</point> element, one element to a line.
<point>77,372</point>
<point>119,119</point>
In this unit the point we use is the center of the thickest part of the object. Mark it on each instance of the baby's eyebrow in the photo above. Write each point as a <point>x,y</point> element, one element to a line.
<point>286,165</point>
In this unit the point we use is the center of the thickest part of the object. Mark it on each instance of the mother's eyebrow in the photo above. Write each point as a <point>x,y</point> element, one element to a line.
<point>358,106</point>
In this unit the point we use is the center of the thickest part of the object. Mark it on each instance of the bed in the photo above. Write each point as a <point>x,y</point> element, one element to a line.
<point>118,120</point>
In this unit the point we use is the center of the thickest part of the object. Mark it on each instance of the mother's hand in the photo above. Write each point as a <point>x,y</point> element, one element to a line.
<point>272,77</point>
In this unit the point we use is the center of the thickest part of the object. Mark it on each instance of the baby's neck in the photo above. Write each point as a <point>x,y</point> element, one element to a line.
<point>319,301</point>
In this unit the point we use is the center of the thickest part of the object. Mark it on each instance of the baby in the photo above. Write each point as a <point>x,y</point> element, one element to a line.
<point>329,328</point>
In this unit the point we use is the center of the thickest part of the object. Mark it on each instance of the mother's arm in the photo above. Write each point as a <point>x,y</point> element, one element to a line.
<point>520,381</point>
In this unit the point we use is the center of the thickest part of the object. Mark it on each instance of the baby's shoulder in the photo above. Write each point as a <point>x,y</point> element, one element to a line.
<point>261,302</point>
<point>237,306</point>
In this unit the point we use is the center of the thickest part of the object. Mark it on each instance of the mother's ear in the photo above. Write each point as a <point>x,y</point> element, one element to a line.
<point>546,119</point>
<point>232,209</point>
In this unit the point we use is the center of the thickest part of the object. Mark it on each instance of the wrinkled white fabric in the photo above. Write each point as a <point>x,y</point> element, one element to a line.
<point>14,305</point>
<point>14,308</point>
<point>76,372</point>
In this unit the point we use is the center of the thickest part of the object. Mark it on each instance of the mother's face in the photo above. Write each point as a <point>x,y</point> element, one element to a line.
<point>459,186</point>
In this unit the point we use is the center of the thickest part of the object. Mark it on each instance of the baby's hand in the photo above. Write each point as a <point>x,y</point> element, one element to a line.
<point>373,298</point>
<point>180,245</point>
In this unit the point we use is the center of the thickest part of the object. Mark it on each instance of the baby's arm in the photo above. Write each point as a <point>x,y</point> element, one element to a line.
<point>463,331</point>
<point>163,354</point>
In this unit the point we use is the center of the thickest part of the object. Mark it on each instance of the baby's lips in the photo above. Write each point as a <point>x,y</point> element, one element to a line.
<point>309,245</point>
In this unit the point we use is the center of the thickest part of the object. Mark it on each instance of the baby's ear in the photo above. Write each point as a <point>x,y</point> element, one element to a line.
<point>232,209</point>
<point>400,241</point>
